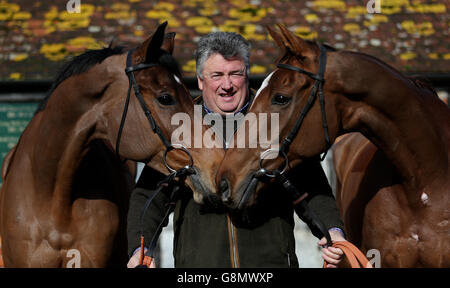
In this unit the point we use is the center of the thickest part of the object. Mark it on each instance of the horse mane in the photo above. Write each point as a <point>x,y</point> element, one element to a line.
<point>418,80</point>
<point>422,83</point>
<point>166,60</point>
<point>77,65</point>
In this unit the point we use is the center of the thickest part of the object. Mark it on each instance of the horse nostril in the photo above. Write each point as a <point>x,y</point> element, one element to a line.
<point>224,190</point>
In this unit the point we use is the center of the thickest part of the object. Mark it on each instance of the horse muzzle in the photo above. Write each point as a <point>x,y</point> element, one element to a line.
<point>244,196</point>
<point>202,191</point>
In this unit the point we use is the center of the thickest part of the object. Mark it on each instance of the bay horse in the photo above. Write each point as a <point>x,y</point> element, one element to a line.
<point>66,186</point>
<point>394,194</point>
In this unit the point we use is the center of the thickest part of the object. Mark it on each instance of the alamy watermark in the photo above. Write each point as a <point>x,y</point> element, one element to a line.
<point>373,6</point>
<point>255,131</point>
<point>374,257</point>
<point>75,258</point>
<point>73,6</point>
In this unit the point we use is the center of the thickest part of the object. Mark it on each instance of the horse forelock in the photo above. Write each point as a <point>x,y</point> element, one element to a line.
<point>283,58</point>
<point>168,61</point>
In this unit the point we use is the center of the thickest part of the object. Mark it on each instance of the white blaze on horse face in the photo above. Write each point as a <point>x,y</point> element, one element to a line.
<point>263,85</point>
<point>177,79</point>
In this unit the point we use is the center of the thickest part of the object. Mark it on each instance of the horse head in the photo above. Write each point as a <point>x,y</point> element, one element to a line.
<point>135,118</point>
<point>284,94</point>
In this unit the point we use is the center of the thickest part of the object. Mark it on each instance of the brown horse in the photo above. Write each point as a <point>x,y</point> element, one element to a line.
<point>394,198</point>
<point>65,193</point>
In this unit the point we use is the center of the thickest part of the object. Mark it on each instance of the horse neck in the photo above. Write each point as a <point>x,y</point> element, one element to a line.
<point>399,118</point>
<point>62,131</point>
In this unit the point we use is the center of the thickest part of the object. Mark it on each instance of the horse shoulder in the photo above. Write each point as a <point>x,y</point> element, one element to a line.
<point>351,156</point>
<point>347,160</point>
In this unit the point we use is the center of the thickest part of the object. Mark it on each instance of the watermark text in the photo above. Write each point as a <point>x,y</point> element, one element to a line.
<point>73,6</point>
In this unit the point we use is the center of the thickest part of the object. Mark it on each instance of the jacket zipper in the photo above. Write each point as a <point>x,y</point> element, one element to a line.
<point>234,253</point>
<point>232,233</point>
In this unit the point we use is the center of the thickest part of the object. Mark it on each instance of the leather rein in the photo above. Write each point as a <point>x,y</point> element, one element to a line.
<point>147,259</point>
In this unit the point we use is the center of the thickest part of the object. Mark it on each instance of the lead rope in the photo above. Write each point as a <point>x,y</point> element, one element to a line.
<point>302,208</point>
<point>354,256</point>
<point>147,258</point>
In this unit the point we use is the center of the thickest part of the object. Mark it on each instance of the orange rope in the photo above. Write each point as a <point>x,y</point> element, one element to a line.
<point>353,254</point>
<point>1,255</point>
<point>144,260</point>
<point>141,259</point>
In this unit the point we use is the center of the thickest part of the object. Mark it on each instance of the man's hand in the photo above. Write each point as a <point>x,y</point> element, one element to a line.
<point>333,256</point>
<point>134,260</point>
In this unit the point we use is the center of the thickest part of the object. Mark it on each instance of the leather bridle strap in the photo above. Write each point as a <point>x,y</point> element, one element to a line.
<point>317,87</point>
<point>303,210</point>
<point>146,258</point>
<point>129,70</point>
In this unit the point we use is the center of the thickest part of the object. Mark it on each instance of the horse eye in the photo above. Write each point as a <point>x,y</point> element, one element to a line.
<point>166,99</point>
<point>279,99</point>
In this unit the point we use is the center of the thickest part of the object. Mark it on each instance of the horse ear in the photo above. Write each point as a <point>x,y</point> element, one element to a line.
<point>153,50</point>
<point>169,42</point>
<point>295,44</point>
<point>277,37</point>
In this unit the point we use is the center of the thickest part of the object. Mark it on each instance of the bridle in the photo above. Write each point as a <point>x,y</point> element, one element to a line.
<point>129,70</point>
<point>300,206</point>
<point>169,181</point>
<point>317,87</point>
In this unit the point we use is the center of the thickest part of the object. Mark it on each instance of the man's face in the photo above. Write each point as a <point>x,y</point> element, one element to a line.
<point>224,84</point>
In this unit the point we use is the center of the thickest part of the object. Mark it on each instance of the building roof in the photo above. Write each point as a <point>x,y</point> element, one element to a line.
<point>37,35</point>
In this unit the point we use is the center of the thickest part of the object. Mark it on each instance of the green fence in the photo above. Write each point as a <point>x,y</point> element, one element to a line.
<point>14,117</point>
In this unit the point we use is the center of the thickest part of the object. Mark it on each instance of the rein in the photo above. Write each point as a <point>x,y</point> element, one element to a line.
<point>182,173</point>
<point>146,259</point>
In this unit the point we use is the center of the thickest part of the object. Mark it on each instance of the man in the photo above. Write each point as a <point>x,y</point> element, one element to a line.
<point>260,236</point>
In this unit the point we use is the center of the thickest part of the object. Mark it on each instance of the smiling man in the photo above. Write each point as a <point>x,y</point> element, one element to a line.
<point>222,72</point>
<point>208,234</point>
